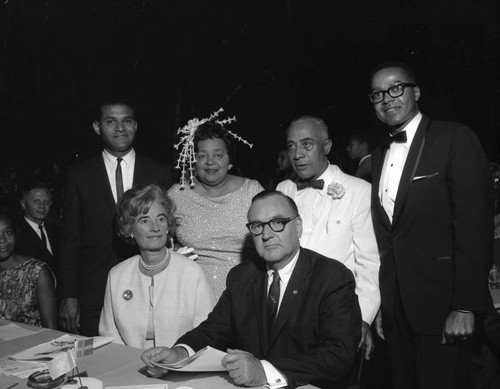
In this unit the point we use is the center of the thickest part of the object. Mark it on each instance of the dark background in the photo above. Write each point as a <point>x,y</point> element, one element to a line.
<point>264,61</point>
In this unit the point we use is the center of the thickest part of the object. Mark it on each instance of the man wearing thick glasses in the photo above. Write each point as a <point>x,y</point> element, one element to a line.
<point>288,320</point>
<point>433,221</point>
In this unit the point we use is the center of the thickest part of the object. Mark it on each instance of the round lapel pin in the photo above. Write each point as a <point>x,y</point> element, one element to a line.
<point>127,295</point>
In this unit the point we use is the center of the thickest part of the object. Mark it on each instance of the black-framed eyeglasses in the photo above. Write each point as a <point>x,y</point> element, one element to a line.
<point>394,91</point>
<point>277,225</point>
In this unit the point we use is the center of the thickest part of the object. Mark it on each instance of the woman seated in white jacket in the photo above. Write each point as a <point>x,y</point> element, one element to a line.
<point>153,298</point>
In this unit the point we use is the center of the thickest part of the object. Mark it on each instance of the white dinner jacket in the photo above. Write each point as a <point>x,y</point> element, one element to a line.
<point>343,230</point>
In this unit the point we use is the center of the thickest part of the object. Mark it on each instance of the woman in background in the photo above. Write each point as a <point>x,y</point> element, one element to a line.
<point>211,217</point>
<point>27,284</point>
<point>153,298</point>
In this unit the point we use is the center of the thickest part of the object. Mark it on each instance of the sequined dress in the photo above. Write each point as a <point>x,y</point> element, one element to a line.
<point>215,228</point>
<point>18,293</point>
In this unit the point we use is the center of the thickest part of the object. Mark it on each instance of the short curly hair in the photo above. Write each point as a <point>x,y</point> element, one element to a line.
<point>137,201</point>
<point>214,130</point>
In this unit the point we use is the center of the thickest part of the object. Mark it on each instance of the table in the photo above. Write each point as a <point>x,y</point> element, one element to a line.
<point>113,364</point>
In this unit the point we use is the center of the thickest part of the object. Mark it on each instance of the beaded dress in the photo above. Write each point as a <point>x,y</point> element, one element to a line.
<point>18,292</point>
<point>216,228</point>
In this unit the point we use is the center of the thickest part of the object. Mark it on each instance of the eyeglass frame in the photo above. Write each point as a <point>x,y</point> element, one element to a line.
<point>284,220</point>
<point>388,91</point>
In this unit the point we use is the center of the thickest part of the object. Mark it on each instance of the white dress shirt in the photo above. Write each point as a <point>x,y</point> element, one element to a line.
<point>38,231</point>
<point>274,378</point>
<point>127,164</point>
<point>394,162</point>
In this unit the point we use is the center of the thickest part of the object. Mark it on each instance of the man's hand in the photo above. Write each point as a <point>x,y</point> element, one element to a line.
<point>378,325</point>
<point>366,339</point>
<point>244,368</point>
<point>458,325</point>
<point>69,315</point>
<point>162,354</point>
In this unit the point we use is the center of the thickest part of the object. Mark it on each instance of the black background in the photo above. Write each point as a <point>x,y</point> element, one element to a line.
<point>264,61</point>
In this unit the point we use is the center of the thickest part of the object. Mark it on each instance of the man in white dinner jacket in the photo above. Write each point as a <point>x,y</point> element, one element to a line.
<point>335,208</point>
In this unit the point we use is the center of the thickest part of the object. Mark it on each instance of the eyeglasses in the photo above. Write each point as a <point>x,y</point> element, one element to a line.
<point>394,91</point>
<point>277,225</point>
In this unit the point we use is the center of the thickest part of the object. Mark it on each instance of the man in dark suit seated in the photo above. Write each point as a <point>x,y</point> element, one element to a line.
<point>288,320</point>
<point>89,247</point>
<point>38,238</point>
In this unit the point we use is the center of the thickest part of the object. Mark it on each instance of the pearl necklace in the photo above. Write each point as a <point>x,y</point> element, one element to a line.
<point>158,265</point>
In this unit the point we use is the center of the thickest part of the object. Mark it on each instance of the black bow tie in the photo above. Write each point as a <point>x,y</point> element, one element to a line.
<point>400,137</point>
<point>317,184</point>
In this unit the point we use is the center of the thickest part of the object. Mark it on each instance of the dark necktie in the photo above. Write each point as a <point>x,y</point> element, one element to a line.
<point>317,184</point>
<point>273,298</point>
<point>400,137</point>
<point>42,235</point>
<point>119,180</point>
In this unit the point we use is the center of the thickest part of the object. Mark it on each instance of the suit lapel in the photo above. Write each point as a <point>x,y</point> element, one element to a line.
<point>139,172</point>
<point>35,238</point>
<point>410,168</point>
<point>259,292</point>
<point>378,165</point>
<point>103,182</point>
<point>296,286</point>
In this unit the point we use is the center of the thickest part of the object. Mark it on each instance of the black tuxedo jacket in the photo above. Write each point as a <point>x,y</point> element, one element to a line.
<point>31,245</point>
<point>89,245</point>
<point>437,251</point>
<point>316,333</point>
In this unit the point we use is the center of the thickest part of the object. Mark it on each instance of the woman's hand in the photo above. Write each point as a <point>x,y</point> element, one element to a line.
<point>188,252</point>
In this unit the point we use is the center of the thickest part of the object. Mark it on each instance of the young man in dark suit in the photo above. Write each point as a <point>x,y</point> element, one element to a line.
<point>89,246</point>
<point>290,319</point>
<point>432,214</point>
<point>37,237</point>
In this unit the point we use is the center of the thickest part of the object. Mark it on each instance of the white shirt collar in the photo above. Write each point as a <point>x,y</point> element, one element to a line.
<point>33,224</point>
<point>411,130</point>
<point>328,177</point>
<point>286,272</point>
<point>110,159</point>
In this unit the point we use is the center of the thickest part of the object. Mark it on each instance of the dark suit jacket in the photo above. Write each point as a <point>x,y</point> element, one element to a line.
<point>316,332</point>
<point>31,245</point>
<point>438,248</point>
<point>89,245</point>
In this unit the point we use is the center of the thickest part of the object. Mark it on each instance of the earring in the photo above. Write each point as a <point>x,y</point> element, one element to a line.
<point>132,236</point>
<point>230,166</point>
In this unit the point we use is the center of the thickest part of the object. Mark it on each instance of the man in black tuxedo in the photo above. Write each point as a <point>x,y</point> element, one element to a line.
<point>432,213</point>
<point>89,247</point>
<point>38,238</point>
<point>290,319</point>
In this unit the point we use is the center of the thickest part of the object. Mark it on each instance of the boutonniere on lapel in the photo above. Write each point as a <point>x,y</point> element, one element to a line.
<point>335,190</point>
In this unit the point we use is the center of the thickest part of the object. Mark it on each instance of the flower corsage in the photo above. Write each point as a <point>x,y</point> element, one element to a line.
<point>335,190</point>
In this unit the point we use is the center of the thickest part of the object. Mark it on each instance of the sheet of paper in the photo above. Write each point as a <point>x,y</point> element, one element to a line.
<point>206,359</point>
<point>13,331</point>
<point>21,369</point>
<point>47,351</point>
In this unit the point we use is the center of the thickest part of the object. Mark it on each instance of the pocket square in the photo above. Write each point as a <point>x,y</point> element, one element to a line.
<point>416,178</point>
